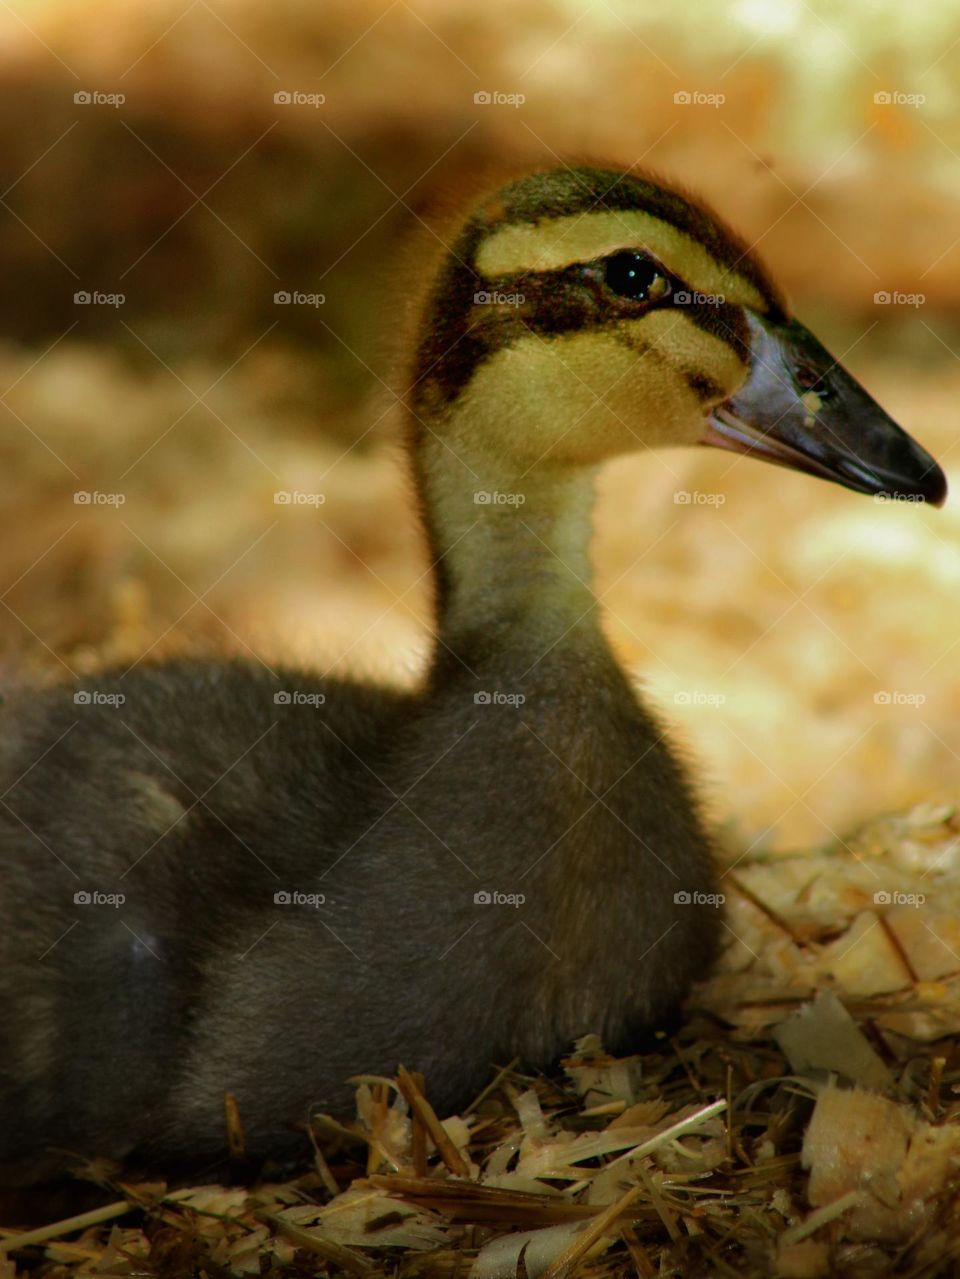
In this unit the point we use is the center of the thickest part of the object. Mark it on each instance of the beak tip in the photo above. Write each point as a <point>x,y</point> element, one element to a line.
<point>928,486</point>
<point>940,491</point>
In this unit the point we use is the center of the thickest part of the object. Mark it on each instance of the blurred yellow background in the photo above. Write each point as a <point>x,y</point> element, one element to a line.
<point>199,156</point>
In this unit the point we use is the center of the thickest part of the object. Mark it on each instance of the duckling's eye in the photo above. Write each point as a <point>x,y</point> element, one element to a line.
<point>633,276</point>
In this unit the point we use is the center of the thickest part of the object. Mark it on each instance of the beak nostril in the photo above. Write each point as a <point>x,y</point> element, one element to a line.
<point>810,379</point>
<point>807,377</point>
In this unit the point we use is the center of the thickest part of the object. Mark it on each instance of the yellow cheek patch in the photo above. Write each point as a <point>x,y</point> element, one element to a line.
<point>604,395</point>
<point>687,347</point>
<point>558,242</point>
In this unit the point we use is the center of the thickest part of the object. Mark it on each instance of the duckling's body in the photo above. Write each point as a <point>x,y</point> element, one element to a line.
<point>199,983</point>
<point>525,767</point>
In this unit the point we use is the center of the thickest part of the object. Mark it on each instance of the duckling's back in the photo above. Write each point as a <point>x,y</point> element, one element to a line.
<point>151,825</point>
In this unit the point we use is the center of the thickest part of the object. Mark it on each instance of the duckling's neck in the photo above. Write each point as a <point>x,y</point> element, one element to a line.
<point>510,546</point>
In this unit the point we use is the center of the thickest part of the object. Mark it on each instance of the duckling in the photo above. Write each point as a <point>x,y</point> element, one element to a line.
<point>217,880</point>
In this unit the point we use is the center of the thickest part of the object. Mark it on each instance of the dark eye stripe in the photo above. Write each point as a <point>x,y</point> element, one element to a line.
<point>464,333</point>
<point>704,386</point>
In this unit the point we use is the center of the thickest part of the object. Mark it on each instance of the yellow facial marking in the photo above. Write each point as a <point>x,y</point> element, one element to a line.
<point>607,394</point>
<point>811,401</point>
<point>689,348</point>
<point>559,242</point>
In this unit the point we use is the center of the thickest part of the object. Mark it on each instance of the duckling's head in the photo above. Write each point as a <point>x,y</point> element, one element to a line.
<point>581,313</point>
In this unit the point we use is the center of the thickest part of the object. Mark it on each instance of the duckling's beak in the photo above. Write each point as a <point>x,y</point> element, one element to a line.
<point>800,408</point>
